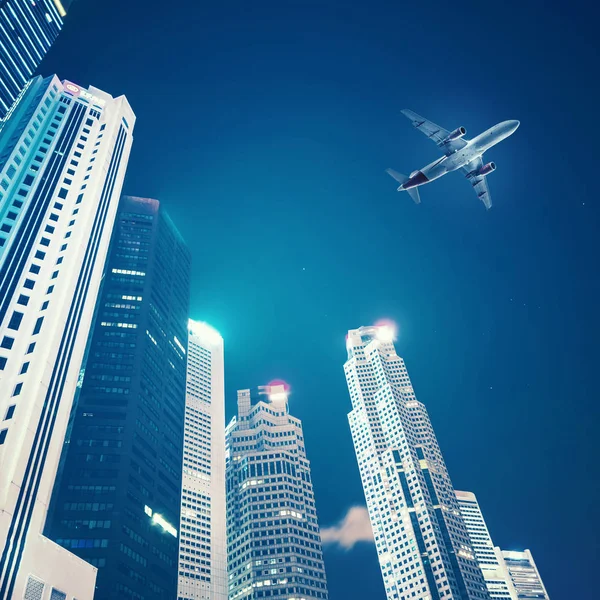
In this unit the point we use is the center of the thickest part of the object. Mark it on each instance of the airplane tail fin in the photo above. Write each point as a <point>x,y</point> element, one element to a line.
<point>412,192</point>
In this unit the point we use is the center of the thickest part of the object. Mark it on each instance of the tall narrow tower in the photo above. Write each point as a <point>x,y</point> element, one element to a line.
<point>423,545</point>
<point>27,31</point>
<point>274,545</point>
<point>202,533</point>
<point>490,558</point>
<point>117,499</point>
<point>63,156</point>
<point>524,575</point>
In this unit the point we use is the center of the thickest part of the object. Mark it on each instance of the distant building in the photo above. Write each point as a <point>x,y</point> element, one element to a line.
<point>202,533</point>
<point>524,575</point>
<point>490,559</point>
<point>274,544</point>
<point>423,545</point>
<point>27,31</point>
<point>117,501</point>
<point>63,156</point>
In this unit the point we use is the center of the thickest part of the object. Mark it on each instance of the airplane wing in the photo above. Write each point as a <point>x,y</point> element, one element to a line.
<point>479,183</point>
<point>435,132</point>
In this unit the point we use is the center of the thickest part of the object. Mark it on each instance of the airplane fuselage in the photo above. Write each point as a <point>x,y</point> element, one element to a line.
<point>459,159</point>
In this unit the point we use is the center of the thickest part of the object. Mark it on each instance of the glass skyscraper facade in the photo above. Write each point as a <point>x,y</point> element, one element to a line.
<point>63,157</point>
<point>117,499</point>
<point>423,545</point>
<point>202,535</point>
<point>274,545</point>
<point>27,31</point>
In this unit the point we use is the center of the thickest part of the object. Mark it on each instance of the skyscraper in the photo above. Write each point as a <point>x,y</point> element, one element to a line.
<point>117,499</point>
<point>63,155</point>
<point>507,574</point>
<point>489,558</point>
<point>274,546</point>
<point>422,542</point>
<point>524,575</point>
<point>203,537</point>
<point>27,31</point>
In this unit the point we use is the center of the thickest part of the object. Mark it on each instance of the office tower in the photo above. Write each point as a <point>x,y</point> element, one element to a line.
<point>202,532</point>
<point>489,558</point>
<point>27,30</point>
<point>63,155</point>
<point>423,545</point>
<point>117,498</point>
<point>273,541</point>
<point>524,575</point>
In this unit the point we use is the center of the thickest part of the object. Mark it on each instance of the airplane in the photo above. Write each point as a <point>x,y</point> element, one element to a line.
<point>459,153</point>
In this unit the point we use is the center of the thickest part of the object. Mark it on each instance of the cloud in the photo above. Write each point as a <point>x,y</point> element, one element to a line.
<point>353,528</point>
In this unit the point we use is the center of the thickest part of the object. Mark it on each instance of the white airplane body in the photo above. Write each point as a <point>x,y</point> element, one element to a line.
<point>459,153</point>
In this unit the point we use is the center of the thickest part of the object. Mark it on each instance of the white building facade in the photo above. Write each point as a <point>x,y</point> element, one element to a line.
<point>203,538</point>
<point>508,574</point>
<point>63,156</point>
<point>423,545</point>
<point>274,543</point>
<point>489,558</point>
<point>524,575</point>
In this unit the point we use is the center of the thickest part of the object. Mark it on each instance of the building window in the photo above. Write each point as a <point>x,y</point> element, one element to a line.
<point>15,320</point>
<point>38,325</point>
<point>10,412</point>
<point>3,433</point>
<point>7,342</point>
<point>18,389</point>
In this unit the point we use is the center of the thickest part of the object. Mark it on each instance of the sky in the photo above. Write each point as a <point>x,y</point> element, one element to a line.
<point>265,128</point>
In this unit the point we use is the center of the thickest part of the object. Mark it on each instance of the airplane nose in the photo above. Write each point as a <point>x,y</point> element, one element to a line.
<point>514,125</point>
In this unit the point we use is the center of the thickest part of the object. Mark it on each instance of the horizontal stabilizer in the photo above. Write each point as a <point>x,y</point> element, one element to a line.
<point>397,176</point>
<point>412,192</point>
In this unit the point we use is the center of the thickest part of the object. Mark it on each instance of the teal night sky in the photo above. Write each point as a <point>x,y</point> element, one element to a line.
<point>265,129</point>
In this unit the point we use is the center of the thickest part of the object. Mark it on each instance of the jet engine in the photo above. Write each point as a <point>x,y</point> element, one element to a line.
<point>486,169</point>
<point>457,133</point>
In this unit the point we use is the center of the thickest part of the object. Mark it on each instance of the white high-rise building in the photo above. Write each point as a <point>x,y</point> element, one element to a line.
<point>273,537</point>
<point>63,156</point>
<point>524,575</point>
<point>423,545</point>
<point>489,558</point>
<point>508,574</point>
<point>203,537</point>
